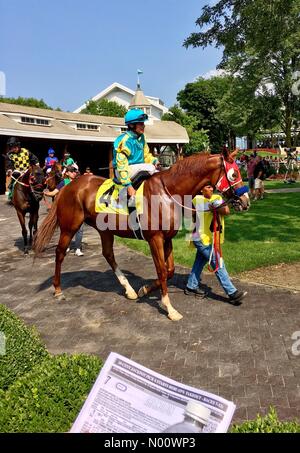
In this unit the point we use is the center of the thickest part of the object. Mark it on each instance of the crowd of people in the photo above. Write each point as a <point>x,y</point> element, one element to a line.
<point>19,159</point>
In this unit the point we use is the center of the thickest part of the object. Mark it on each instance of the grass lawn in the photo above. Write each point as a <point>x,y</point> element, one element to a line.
<point>281,185</point>
<point>269,233</point>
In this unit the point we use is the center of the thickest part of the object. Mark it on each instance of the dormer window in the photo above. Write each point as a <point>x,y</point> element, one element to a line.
<point>89,127</point>
<point>37,121</point>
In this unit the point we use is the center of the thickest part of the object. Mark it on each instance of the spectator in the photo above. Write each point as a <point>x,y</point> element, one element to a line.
<point>250,174</point>
<point>259,175</point>
<point>208,245</point>
<point>70,173</point>
<point>88,171</point>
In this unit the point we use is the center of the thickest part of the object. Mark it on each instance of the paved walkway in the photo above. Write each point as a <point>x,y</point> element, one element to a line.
<point>242,353</point>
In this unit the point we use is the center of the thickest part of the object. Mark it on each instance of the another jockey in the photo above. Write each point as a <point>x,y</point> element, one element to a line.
<point>131,152</point>
<point>68,161</point>
<point>18,161</point>
<point>50,160</point>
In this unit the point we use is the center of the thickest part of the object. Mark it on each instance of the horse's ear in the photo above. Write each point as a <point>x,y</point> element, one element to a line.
<point>232,156</point>
<point>225,152</point>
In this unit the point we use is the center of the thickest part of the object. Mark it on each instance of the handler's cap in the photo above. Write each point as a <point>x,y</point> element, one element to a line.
<point>70,168</point>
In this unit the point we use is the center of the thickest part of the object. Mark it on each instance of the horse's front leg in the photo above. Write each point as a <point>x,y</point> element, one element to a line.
<point>107,240</point>
<point>21,217</point>
<point>157,249</point>
<point>169,260</point>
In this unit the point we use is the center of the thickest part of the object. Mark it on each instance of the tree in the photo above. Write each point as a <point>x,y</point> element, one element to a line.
<point>200,99</point>
<point>104,107</point>
<point>31,102</point>
<point>199,140</point>
<point>261,41</point>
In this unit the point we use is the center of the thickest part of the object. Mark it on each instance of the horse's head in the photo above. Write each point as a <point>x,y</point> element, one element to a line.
<point>54,176</point>
<point>36,181</point>
<point>228,181</point>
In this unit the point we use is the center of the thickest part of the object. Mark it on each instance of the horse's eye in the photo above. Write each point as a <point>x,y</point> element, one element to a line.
<point>231,174</point>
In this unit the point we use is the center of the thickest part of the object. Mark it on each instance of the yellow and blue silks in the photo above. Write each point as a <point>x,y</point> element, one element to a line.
<point>114,205</point>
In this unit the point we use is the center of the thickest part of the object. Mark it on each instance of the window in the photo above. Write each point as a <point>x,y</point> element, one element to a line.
<point>26,119</point>
<point>89,127</point>
<point>42,122</point>
<point>37,121</point>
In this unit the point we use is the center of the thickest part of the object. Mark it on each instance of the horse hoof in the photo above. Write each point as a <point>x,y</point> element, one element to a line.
<point>59,296</point>
<point>142,291</point>
<point>175,316</point>
<point>132,295</point>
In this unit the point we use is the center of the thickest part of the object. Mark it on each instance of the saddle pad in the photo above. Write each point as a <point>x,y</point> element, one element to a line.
<point>108,199</point>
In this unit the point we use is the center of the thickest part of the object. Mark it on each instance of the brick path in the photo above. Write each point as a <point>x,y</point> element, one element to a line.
<point>242,353</point>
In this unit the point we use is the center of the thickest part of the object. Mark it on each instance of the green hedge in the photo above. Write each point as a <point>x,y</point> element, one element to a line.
<point>48,398</point>
<point>24,349</point>
<point>267,424</point>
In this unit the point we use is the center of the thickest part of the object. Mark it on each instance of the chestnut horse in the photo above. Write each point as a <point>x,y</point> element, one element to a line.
<point>27,194</point>
<point>75,204</point>
<point>54,176</point>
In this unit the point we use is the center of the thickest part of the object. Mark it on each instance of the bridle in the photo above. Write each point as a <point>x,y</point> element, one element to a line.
<point>234,195</point>
<point>31,184</point>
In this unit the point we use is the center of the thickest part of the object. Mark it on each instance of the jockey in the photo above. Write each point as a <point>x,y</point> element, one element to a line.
<point>131,152</point>
<point>18,161</point>
<point>50,160</point>
<point>68,161</point>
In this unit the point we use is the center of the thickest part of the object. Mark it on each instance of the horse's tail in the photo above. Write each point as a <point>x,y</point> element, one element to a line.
<point>46,230</point>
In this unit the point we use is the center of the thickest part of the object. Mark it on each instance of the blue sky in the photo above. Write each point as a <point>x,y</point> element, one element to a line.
<point>66,51</point>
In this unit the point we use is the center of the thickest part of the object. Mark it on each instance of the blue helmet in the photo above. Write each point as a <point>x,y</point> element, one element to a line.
<point>51,151</point>
<point>135,116</point>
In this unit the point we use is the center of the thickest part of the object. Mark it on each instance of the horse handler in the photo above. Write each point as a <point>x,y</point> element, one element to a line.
<point>70,174</point>
<point>207,238</point>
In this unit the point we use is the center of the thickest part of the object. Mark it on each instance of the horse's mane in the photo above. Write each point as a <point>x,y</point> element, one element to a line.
<point>189,164</point>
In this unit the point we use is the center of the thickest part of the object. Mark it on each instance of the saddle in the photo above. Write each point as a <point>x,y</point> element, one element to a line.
<point>136,181</point>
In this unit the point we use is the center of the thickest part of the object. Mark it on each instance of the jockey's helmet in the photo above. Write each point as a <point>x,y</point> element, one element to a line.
<point>13,142</point>
<point>135,116</point>
<point>51,151</point>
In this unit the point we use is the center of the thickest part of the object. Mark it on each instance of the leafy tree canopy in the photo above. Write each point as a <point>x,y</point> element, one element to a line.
<point>261,42</point>
<point>104,107</point>
<point>30,102</point>
<point>199,140</point>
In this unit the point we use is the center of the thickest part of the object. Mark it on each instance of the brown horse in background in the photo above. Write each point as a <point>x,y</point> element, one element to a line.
<point>54,177</point>
<point>75,204</point>
<point>27,194</point>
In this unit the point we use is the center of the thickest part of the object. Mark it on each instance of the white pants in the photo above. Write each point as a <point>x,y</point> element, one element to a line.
<point>136,168</point>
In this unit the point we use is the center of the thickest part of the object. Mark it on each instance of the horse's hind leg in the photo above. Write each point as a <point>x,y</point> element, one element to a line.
<point>21,217</point>
<point>169,260</point>
<point>63,244</point>
<point>33,220</point>
<point>107,240</point>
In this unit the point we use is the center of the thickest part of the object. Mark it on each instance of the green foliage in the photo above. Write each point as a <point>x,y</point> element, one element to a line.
<point>261,42</point>
<point>267,424</point>
<point>104,107</point>
<point>24,349</point>
<point>200,100</point>
<point>30,102</point>
<point>199,140</point>
<point>48,398</point>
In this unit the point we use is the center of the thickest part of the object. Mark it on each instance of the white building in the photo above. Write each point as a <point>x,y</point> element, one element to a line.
<point>116,92</point>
